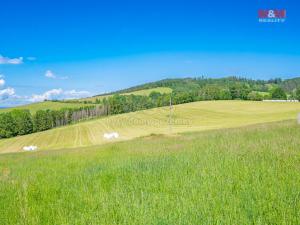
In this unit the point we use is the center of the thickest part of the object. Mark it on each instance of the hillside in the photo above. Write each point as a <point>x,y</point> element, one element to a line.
<point>56,105</point>
<point>206,87</point>
<point>291,84</point>
<point>143,92</point>
<point>195,116</point>
<point>44,105</point>
<point>247,175</point>
<point>194,84</point>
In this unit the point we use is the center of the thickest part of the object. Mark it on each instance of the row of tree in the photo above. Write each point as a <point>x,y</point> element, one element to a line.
<point>117,104</point>
<point>21,121</point>
<point>127,103</point>
<point>223,89</point>
<point>195,84</point>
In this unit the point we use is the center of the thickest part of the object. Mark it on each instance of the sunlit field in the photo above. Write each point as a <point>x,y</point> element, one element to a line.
<point>195,116</point>
<point>246,175</point>
<point>144,92</point>
<point>45,105</point>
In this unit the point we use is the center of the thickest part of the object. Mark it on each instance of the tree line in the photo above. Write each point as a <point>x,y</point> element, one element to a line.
<point>21,121</point>
<point>117,104</point>
<point>223,88</point>
<point>195,84</point>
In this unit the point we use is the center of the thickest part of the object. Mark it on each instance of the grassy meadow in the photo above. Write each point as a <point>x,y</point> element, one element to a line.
<point>58,105</point>
<point>44,105</point>
<point>144,92</point>
<point>196,116</point>
<point>247,175</point>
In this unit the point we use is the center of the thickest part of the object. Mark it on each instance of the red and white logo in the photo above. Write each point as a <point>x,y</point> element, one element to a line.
<point>272,15</point>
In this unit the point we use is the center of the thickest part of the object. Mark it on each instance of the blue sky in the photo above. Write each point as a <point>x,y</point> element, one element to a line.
<point>68,49</point>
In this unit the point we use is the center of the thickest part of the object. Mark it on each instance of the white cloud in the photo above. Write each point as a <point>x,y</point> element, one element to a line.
<point>6,60</point>
<point>8,96</point>
<point>50,74</point>
<point>48,95</point>
<point>58,94</point>
<point>2,82</point>
<point>7,93</point>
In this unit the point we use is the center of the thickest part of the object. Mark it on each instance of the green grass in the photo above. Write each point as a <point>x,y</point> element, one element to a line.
<point>45,105</point>
<point>194,116</point>
<point>263,93</point>
<point>144,92</point>
<point>248,175</point>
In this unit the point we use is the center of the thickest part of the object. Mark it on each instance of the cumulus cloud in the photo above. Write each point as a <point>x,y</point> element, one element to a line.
<point>48,95</point>
<point>7,93</point>
<point>58,94</point>
<point>7,60</point>
<point>2,82</point>
<point>9,97</point>
<point>50,74</point>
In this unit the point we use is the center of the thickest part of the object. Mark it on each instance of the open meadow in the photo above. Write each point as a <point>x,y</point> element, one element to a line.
<point>247,175</point>
<point>149,112</point>
<point>144,92</point>
<point>197,116</point>
<point>45,105</point>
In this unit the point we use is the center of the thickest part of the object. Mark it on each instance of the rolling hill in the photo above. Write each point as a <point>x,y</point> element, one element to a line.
<point>197,116</point>
<point>45,105</point>
<point>55,105</point>
<point>194,84</point>
<point>246,175</point>
<point>143,92</point>
<point>173,85</point>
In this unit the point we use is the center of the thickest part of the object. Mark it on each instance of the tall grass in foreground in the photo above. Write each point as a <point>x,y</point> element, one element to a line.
<point>247,175</point>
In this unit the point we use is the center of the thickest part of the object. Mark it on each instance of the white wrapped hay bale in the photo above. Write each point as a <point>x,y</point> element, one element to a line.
<point>30,148</point>
<point>112,135</point>
<point>298,119</point>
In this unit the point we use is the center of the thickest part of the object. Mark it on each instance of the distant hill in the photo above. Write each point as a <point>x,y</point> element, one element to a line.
<point>166,86</point>
<point>143,92</point>
<point>194,84</point>
<point>43,106</point>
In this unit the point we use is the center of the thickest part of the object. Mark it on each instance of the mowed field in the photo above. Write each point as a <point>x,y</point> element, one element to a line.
<point>195,116</point>
<point>248,175</point>
<point>45,105</point>
<point>144,92</point>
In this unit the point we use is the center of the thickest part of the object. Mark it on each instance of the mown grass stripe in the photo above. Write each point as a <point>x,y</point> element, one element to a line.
<point>186,117</point>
